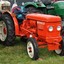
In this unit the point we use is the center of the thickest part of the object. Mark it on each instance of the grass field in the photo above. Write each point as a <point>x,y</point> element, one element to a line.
<point>17,55</point>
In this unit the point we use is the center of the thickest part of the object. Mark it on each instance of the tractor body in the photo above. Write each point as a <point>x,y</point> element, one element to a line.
<point>44,28</point>
<point>41,31</point>
<point>37,26</point>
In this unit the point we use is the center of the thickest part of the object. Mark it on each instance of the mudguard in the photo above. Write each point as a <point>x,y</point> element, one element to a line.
<point>14,19</point>
<point>36,5</point>
<point>59,8</point>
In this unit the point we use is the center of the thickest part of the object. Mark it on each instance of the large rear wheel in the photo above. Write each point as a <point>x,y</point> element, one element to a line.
<point>7,31</point>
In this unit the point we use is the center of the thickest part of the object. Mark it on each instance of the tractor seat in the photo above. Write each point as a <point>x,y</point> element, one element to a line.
<point>46,2</point>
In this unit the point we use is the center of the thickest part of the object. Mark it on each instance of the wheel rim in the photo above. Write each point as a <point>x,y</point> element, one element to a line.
<point>30,49</point>
<point>3,31</point>
<point>58,51</point>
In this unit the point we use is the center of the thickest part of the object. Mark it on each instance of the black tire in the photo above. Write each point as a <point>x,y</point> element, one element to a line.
<point>32,9</point>
<point>35,48</point>
<point>10,39</point>
<point>61,50</point>
<point>62,32</point>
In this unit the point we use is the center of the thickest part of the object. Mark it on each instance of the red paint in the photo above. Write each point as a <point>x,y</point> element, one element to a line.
<point>4,31</point>
<point>37,25</point>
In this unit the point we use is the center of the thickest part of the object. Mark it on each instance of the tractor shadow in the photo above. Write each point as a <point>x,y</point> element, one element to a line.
<point>18,42</point>
<point>21,42</point>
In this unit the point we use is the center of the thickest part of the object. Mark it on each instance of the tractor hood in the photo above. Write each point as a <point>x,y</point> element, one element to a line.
<point>43,17</point>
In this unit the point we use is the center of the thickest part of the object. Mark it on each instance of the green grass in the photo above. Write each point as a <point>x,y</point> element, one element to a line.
<point>17,55</point>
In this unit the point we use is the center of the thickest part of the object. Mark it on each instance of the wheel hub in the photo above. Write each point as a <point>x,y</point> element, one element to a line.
<point>3,31</point>
<point>30,50</point>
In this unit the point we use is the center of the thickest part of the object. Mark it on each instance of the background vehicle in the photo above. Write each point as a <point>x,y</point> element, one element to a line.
<point>4,5</point>
<point>35,6</point>
<point>46,6</point>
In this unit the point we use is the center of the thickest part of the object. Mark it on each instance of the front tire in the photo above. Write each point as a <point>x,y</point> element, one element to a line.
<point>61,50</point>
<point>32,49</point>
<point>7,31</point>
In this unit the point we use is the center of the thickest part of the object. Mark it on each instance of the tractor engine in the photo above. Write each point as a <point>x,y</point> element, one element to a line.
<point>46,28</point>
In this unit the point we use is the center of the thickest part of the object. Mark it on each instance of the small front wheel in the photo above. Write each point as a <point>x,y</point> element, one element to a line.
<point>32,49</point>
<point>61,50</point>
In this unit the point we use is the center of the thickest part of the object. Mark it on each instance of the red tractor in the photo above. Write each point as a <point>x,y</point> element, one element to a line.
<point>41,31</point>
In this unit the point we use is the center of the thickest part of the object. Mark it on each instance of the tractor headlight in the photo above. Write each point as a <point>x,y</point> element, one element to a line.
<point>58,28</point>
<point>50,28</point>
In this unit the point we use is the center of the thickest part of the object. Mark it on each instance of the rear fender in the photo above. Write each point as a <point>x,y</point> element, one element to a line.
<point>33,4</point>
<point>59,8</point>
<point>16,25</point>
